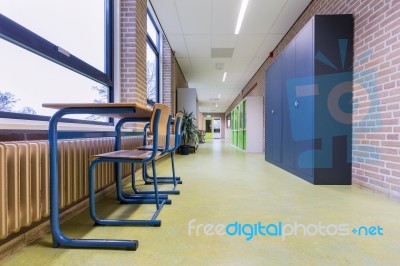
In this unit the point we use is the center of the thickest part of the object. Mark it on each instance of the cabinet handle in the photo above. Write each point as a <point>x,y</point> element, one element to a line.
<point>272,111</point>
<point>296,104</point>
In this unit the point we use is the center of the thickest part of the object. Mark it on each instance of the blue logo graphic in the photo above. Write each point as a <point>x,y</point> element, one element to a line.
<point>327,98</point>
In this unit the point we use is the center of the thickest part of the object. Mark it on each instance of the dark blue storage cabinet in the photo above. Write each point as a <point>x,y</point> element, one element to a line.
<point>274,116</point>
<point>309,102</point>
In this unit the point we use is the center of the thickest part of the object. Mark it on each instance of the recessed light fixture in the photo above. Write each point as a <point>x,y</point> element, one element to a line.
<point>241,15</point>
<point>224,77</point>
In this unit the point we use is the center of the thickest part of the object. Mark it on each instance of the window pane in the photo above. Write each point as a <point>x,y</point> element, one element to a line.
<point>152,31</point>
<point>33,80</point>
<point>75,25</point>
<point>151,76</point>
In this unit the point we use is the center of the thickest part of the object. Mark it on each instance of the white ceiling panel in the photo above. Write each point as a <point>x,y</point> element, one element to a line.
<point>198,45</point>
<point>260,16</point>
<point>223,41</point>
<point>294,8</point>
<point>178,42</point>
<point>255,64</point>
<point>193,27</point>
<point>269,44</point>
<point>184,64</point>
<point>195,16</point>
<point>204,64</point>
<point>246,76</point>
<point>224,16</point>
<point>167,14</point>
<point>238,64</point>
<point>248,45</point>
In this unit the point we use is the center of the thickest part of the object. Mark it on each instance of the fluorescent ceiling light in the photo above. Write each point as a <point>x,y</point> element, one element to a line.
<point>241,15</point>
<point>224,77</point>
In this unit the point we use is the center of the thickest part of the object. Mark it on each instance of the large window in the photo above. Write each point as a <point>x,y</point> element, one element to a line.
<point>152,61</point>
<point>54,51</point>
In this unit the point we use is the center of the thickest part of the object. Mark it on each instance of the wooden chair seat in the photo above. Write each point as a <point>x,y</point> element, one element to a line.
<point>150,147</point>
<point>127,154</point>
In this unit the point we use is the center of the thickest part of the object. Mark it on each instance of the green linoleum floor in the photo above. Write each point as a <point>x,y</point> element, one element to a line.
<point>225,188</point>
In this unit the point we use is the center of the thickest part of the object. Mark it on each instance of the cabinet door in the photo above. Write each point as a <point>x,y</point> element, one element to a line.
<point>273,109</point>
<point>301,93</point>
<point>289,73</point>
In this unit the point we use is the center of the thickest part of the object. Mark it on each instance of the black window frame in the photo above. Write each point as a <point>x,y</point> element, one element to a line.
<point>24,38</point>
<point>155,47</point>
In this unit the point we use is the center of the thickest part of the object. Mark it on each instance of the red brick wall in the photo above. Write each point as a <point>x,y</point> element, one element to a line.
<point>133,50</point>
<point>133,58</point>
<point>167,74</point>
<point>173,77</point>
<point>376,111</point>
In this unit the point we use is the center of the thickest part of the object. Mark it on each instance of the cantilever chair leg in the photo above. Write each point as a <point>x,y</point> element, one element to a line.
<point>126,198</point>
<point>154,181</point>
<point>162,179</point>
<point>99,221</point>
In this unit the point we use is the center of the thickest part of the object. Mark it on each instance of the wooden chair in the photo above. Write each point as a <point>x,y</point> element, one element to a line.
<point>171,150</point>
<point>159,125</point>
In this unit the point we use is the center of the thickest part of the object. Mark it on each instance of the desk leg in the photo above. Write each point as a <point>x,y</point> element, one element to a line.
<point>59,239</point>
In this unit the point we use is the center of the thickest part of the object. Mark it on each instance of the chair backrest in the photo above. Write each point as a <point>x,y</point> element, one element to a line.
<point>178,123</point>
<point>163,122</point>
<point>178,129</point>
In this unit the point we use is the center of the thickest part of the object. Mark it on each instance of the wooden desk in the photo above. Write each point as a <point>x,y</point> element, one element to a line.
<point>127,112</point>
<point>137,110</point>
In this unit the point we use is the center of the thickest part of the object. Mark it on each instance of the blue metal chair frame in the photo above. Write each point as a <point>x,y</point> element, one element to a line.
<point>158,202</point>
<point>161,179</point>
<point>163,151</point>
<point>59,239</point>
<point>122,196</point>
<point>168,179</point>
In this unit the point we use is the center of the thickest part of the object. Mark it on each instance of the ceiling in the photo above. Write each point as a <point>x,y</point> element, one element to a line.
<point>201,33</point>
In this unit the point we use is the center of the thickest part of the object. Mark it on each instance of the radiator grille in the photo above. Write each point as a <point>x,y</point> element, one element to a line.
<point>24,177</point>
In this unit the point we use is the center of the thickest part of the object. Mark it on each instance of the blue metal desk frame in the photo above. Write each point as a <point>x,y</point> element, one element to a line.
<point>112,110</point>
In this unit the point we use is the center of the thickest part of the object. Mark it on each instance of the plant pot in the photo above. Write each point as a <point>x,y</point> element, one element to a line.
<point>185,149</point>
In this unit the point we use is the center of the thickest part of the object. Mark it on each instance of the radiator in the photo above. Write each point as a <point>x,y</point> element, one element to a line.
<point>24,177</point>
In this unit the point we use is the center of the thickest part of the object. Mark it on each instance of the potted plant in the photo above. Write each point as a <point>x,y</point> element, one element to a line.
<point>189,132</point>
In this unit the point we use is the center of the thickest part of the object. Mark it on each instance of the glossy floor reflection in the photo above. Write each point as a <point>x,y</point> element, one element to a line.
<point>226,194</point>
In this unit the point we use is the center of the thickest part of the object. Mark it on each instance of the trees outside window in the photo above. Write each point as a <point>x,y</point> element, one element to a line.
<point>152,61</point>
<point>52,57</point>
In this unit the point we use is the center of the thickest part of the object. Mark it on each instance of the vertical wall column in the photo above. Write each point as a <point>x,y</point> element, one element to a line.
<point>133,51</point>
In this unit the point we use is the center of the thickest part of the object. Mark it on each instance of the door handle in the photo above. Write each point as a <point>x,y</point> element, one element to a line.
<point>273,111</point>
<point>296,104</point>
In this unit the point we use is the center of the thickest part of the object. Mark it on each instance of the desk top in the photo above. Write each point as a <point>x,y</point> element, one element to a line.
<point>141,110</point>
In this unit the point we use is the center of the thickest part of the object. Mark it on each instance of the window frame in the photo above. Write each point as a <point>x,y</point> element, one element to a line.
<point>20,36</point>
<point>156,48</point>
